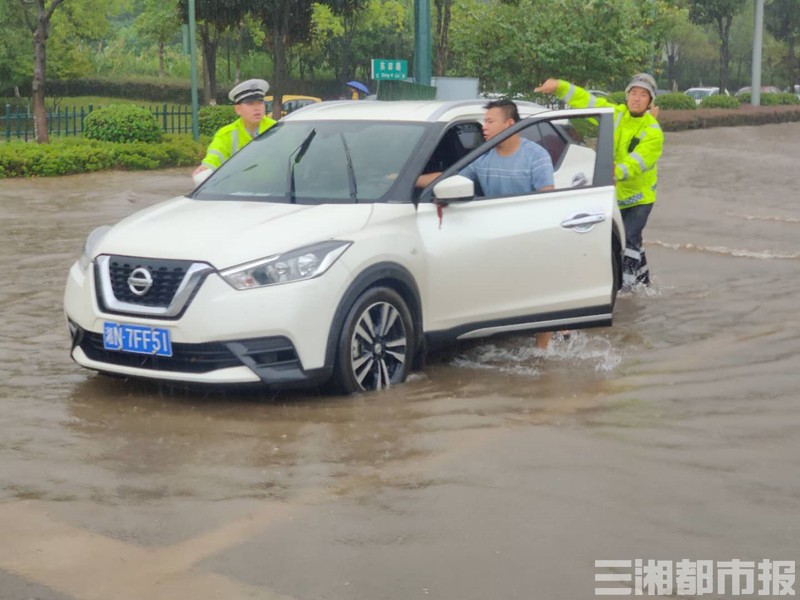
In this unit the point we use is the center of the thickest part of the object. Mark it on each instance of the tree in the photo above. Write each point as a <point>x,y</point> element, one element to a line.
<point>158,23</point>
<point>15,55</point>
<point>782,20</point>
<point>286,23</point>
<point>512,48</point>
<point>719,14</point>
<point>37,17</point>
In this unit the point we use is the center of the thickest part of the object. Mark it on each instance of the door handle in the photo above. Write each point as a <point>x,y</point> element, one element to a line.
<point>583,222</point>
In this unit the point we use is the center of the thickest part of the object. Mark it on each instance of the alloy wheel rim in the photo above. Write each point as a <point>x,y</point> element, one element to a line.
<point>378,347</point>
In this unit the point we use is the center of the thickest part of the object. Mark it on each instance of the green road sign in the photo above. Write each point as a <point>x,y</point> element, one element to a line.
<point>389,68</point>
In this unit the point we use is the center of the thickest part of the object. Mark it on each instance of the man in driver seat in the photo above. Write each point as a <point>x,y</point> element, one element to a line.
<point>516,166</point>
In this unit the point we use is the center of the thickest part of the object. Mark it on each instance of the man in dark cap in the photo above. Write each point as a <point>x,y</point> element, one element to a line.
<point>248,102</point>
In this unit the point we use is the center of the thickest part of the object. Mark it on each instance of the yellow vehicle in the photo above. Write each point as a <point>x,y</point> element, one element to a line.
<point>291,103</point>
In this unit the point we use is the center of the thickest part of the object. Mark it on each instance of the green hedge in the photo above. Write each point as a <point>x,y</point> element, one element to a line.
<point>211,118</point>
<point>719,101</point>
<point>675,101</point>
<point>617,97</point>
<point>122,123</point>
<point>770,99</point>
<point>702,118</point>
<point>80,155</point>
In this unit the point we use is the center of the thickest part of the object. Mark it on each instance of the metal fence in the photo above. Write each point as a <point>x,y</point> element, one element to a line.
<point>18,123</point>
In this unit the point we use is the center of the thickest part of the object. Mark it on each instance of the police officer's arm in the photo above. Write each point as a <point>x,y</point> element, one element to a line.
<point>218,152</point>
<point>644,156</point>
<point>574,95</point>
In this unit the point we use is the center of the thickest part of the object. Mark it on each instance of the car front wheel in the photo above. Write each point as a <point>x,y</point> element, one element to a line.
<point>376,343</point>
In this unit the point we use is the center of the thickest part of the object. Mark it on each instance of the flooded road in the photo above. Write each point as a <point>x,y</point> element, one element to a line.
<point>498,472</point>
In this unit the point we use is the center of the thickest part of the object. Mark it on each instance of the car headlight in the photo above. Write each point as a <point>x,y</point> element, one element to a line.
<point>89,246</point>
<point>296,265</point>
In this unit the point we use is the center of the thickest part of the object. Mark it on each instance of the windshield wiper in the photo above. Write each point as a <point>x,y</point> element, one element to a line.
<point>300,151</point>
<point>351,174</point>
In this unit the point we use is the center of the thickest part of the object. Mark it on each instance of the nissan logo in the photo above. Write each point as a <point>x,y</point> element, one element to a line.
<point>140,281</point>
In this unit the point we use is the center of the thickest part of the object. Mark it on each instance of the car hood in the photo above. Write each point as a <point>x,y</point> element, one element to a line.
<point>229,233</point>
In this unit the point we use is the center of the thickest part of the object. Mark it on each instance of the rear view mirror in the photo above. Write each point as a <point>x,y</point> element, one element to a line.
<point>454,188</point>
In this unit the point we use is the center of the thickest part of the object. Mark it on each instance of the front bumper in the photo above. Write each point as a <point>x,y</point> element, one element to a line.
<point>270,361</point>
<point>275,336</point>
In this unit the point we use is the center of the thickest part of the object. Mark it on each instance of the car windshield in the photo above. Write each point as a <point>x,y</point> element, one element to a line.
<point>317,162</point>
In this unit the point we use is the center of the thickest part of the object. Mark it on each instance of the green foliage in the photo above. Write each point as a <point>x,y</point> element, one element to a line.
<point>720,101</point>
<point>512,48</point>
<point>122,123</point>
<point>676,101</point>
<point>617,97</point>
<point>211,118</point>
<point>770,99</point>
<point>76,155</point>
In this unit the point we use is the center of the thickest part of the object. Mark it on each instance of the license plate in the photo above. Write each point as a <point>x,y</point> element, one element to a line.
<point>137,338</point>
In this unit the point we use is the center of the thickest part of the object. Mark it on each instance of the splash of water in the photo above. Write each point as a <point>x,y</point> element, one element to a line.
<point>520,356</point>
<point>766,254</point>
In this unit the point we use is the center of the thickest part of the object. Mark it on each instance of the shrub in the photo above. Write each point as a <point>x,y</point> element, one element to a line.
<point>80,155</point>
<point>122,123</point>
<point>617,97</point>
<point>719,101</point>
<point>211,118</point>
<point>675,101</point>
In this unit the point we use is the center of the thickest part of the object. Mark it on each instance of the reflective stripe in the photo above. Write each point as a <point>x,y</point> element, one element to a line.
<point>217,153</point>
<point>591,101</point>
<point>619,118</point>
<point>631,200</point>
<point>624,170</point>
<point>634,254</point>
<point>640,160</point>
<point>234,141</point>
<point>570,93</point>
<point>209,165</point>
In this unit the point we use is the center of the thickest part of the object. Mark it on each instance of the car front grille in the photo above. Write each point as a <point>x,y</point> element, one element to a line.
<point>148,287</point>
<point>167,276</point>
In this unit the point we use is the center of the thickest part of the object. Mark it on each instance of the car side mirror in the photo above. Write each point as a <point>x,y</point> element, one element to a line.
<point>453,189</point>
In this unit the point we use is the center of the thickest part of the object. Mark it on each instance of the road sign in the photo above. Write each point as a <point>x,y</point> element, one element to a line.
<point>389,68</point>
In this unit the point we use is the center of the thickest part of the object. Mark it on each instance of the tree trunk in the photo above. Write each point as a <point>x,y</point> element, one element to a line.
<point>442,31</point>
<point>41,31</point>
<point>724,30</point>
<point>162,68</point>
<point>279,37</point>
<point>237,73</point>
<point>209,42</point>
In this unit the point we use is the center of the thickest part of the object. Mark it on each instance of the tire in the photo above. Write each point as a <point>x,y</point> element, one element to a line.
<point>376,344</point>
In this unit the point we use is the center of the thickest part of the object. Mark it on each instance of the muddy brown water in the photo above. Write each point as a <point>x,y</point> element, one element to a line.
<point>498,472</point>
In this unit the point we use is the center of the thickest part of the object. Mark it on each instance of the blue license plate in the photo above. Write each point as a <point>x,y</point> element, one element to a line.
<point>137,338</point>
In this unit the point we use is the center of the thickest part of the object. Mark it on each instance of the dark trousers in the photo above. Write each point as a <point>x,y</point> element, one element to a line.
<point>634,265</point>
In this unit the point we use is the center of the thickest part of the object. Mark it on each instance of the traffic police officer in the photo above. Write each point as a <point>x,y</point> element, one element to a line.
<point>638,143</point>
<point>248,102</point>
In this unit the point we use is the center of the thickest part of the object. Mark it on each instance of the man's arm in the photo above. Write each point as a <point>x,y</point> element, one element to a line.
<point>574,95</point>
<point>426,179</point>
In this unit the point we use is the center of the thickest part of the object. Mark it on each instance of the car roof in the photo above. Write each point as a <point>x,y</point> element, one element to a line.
<point>702,89</point>
<point>401,110</point>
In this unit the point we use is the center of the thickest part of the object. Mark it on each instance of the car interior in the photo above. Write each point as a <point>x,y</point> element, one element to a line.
<point>462,138</point>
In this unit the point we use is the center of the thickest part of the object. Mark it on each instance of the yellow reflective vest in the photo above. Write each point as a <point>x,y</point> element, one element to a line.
<point>635,169</point>
<point>229,140</point>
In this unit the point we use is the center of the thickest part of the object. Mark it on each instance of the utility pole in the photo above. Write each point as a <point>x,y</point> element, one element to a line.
<point>422,41</point>
<point>755,88</point>
<point>193,63</point>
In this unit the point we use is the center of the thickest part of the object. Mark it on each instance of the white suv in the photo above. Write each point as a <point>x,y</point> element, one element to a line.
<point>309,257</point>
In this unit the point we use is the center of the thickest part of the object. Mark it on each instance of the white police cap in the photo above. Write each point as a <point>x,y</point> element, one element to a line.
<point>252,89</point>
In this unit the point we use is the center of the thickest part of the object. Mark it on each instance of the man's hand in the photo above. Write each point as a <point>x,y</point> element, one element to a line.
<point>548,87</point>
<point>198,169</point>
<point>654,110</point>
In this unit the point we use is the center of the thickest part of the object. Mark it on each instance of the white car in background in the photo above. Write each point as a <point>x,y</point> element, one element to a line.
<point>310,257</point>
<point>700,93</point>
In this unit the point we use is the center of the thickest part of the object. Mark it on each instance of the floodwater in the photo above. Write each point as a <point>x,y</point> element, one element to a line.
<point>498,472</point>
